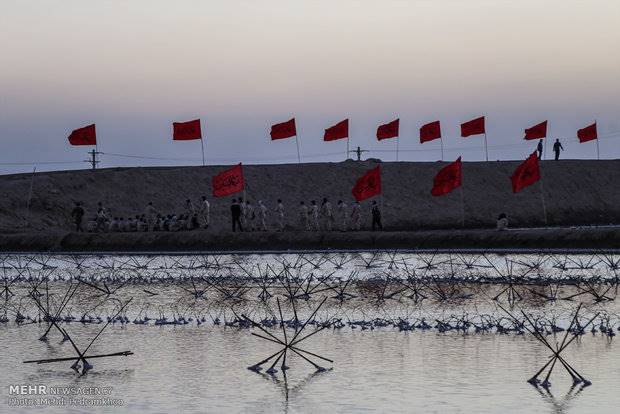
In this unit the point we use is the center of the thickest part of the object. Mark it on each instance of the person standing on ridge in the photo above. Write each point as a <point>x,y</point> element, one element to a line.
<point>356,215</point>
<point>342,213</point>
<point>539,148</point>
<point>557,147</point>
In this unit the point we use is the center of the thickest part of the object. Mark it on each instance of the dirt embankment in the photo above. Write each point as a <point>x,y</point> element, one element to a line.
<point>576,192</point>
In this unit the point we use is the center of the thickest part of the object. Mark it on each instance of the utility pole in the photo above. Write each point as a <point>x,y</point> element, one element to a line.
<point>93,159</point>
<point>359,151</point>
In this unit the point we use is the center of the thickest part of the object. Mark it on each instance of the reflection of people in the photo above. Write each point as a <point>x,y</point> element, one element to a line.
<point>539,148</point>
<point>502,222</point>
<point>376,216</point>
<point>557,147</point>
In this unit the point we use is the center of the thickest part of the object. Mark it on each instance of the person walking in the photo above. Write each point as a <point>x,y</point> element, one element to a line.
<point>151,215</point>
<point>342,213</point>
<point>304,219</point>
<point>78,214</point>
<point>557,147</point>
<point>314,210</point>
<point>539,148</point>
<point>262,214</point>
<point>280,212</point>
<point>205,209</point>
<point>102,217</point>
<point>235,212</point>
<point>327,214</point>
<point>250,216</point>
<point>356,216</point>
<point>376,217</point>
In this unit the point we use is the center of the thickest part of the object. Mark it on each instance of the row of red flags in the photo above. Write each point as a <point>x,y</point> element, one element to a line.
<point>190,130</point>
<point>369,185</point>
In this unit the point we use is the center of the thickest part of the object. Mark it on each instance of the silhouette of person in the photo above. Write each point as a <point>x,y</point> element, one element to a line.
<point>557,147</point>
<point>235,212</point>
<point>539,148</point>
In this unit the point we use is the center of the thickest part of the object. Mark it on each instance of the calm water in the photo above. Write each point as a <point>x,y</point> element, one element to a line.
<point>193,368</point>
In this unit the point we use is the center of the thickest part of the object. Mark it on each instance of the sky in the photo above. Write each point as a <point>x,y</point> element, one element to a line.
<point>133,67</point>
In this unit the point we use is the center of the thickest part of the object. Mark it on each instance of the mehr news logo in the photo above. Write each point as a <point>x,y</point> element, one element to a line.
<point>58,395</point>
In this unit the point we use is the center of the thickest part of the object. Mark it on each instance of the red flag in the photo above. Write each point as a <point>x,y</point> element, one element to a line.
<point>527,173</point>
<point>537,131</point>
<point>389,130</point>
<point>185,131</point>
<point>588,133</point>
<point>84,136</point>
<point>284,130</point>
<point>368,185</point>
<point>338,131</point>
<point>228,182</point>
<point>473,127</point>
<point>447,179</point>
<point>430,132</point>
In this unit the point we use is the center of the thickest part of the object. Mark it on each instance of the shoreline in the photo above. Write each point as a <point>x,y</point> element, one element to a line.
<point>526,239</point>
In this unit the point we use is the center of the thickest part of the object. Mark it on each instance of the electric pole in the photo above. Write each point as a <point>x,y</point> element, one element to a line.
<point>93,161</point>
<point>359,151</point>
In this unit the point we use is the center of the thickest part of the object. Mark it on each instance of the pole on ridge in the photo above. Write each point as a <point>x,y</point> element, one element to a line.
<point>347,154</point>
<point>486,151</point>
<point>397,142</point>
<point>298,154</point>
<point>598,153</point>
<point>441,143</point>
<point>202,144</point>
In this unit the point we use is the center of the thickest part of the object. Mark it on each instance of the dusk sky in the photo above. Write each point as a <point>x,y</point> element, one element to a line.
<point>133,67</point>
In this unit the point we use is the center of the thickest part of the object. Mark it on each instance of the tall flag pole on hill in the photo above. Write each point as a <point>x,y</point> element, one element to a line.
<point>285,130</point>
<point>476,127</point>
<point>526,174</point>
<point>587,134</point>
<point>338,131</point>
<point>188,131</point>
<point>430,132</point>
<point>389,130</point>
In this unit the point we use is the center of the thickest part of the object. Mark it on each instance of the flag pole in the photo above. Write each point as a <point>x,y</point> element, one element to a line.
<point>441,142</point>
<point>297,143</point>
<point>346,156</point>
<point>486,151</point>
<point>397,142</point>
<point>598,154</point>
<point>202,144</point>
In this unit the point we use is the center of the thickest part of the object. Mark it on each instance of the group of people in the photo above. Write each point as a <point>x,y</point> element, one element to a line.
<point>244,215</point>
<point>191,218</point>
<point>247,217</point>
<point>557,147</point>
